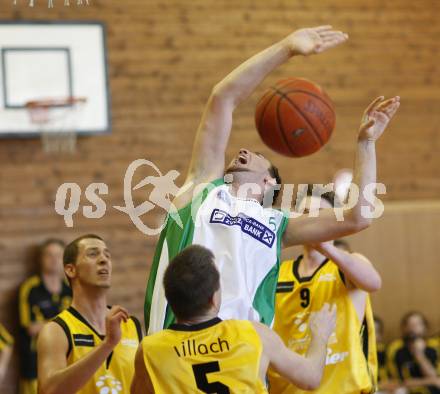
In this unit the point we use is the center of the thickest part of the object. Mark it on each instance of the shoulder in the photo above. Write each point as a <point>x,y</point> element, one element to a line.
<point>30,283</point>
<point>52,332</point>
<point>53,338</point>
<point>195,189</point>
<point>394,347</point>
<point>136,326</point>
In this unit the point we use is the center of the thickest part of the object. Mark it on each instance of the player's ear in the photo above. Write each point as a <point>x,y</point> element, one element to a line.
<point>216,299</point>
<point>70,271</point>
<point>269,181</point>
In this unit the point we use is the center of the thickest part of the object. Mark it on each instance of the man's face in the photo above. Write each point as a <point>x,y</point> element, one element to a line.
<point>414,327</point>
<point>52,260</point>
<point>93,265</point>
<point>250,162</point>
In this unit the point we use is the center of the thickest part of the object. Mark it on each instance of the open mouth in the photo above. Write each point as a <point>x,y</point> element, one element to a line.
<point>242,159</point>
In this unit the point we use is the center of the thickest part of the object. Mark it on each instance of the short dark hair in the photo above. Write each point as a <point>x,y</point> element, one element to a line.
<point>410,314</point>
<point>71,251</point>
<point>274,173</point>
<point>342,244</point>
<point>330,197</point>
<point>190,281</point>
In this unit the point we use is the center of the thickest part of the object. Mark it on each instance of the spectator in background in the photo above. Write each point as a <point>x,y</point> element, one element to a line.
<point>41,297</point>
<point>414,359</point>
<point>381,350</point>
<point>6,342</point>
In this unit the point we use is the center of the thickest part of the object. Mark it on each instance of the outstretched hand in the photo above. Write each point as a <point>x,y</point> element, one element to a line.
<point>377,116</point>
<point>313,40</point>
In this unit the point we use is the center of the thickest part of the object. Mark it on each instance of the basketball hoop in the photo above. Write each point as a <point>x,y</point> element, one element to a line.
<point>56,120</point>
<point>50,3</point>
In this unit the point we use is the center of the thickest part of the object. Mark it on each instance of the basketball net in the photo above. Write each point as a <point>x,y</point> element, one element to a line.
<point>56,121</point>
<point>50,3</point>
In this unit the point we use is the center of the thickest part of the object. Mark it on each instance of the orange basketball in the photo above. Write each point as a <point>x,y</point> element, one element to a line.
<point>295,117</point>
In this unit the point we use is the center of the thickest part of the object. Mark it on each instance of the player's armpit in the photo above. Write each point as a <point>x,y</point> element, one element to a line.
<point>141,383</point>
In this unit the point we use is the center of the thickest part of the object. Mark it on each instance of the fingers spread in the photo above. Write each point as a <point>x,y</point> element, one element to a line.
<point>322,28</point>
<point>373,104</point>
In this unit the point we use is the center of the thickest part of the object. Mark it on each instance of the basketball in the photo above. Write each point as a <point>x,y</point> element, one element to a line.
<point>295,117</point>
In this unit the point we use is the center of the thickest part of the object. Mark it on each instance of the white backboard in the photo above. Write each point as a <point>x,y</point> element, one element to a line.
<point>53,60</point>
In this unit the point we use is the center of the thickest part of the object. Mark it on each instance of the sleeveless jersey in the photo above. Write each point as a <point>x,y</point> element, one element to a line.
<point>351,364</point>
<point>211,357</point>
<point>116,374</point>
<point>245,239</point>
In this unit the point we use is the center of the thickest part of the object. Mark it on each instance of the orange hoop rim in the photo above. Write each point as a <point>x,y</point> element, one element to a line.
<point>50,103</point>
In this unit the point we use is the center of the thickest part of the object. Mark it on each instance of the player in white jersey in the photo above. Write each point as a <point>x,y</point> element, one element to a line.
<point>233,219</point>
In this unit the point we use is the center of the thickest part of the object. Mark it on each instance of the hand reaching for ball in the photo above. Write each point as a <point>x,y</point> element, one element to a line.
<point>314,40</point>
<point>377,116</point>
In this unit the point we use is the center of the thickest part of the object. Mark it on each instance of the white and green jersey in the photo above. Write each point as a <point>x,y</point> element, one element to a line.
<point>246,241</point>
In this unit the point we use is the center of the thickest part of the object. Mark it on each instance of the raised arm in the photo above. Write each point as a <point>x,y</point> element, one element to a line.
<point>54,376</point>
<point>304,372</point>
<point>5,358</point>
<point>357,269</point>
<point>208,158</point>
<point>325,227</point>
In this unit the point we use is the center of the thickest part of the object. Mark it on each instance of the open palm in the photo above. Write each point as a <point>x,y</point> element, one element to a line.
<point>377,116</point>
<point>313,40</point>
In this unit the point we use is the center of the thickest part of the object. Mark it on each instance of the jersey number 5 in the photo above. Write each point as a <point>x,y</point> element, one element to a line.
<point>200,372</point>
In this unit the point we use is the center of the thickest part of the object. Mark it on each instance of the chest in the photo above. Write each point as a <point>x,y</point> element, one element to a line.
<point>231,219</point>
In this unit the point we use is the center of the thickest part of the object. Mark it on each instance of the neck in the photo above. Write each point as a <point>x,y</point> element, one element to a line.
<point>199,319</point>
<point>52,281</point>
<point>312,258</point>
<point>92,304</point>
<point>252,190</point>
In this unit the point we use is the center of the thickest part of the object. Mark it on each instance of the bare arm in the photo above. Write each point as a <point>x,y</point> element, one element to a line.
<point>357,269</point>
<point>304,372</point>
<point>5,357</point>
<point>417,349</point>
<point>208,158</point>
<point>417,382</point>
<point>325,227</point>
<point>141,383</point>
<point>54,376</point>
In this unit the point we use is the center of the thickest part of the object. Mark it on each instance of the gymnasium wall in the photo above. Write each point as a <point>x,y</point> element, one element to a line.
<point>165,56</point>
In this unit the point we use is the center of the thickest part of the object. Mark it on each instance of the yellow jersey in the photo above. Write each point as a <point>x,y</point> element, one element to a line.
<point>211,357</point>
<point>351,364</point>
<point>116,374</point>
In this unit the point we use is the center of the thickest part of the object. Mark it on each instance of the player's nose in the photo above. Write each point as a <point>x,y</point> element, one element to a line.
<point>243,151</point>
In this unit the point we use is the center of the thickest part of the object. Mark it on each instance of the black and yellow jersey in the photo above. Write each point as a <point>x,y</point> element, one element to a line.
<point>116,374</point>
<point>351,364</point>
<point>5,338</point>
<point>402,365</point>
<point>382,362</point>
<point>211,357</point>
<point>36,304</point>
